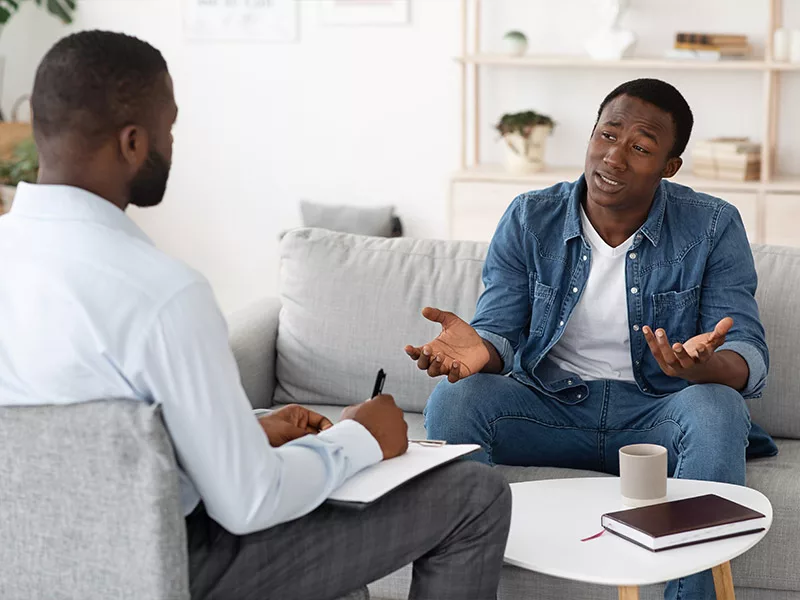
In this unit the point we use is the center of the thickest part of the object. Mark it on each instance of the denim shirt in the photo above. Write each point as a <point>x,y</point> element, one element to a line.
<point>689,266</point>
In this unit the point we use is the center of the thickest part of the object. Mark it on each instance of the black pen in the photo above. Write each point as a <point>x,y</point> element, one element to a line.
<point>377,390</point>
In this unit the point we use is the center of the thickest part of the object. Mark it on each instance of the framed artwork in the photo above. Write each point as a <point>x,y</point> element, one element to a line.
<point>240,20</point>
<point>365,12</point>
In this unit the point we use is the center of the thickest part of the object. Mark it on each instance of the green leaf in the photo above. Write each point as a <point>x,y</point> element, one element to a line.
<point>4,15</point>
<point>60,8</point>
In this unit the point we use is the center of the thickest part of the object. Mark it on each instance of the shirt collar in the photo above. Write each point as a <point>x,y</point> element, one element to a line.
<point>67,203</point>
<point>651,228</point>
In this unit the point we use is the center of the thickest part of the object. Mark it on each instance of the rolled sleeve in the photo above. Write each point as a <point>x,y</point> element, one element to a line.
<point>757,378</point>
<point>503,347</point>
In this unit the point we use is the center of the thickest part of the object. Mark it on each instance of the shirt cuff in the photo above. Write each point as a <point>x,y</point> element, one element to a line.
<point>755,362</point>
<point>361,449</point>
<point>503,347</point>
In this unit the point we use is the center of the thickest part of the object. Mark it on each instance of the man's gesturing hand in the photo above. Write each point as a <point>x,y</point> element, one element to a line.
<point>688,360</point>
<point>457,352</point>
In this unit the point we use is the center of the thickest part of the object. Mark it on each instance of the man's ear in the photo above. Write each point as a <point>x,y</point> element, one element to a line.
<point>673,166</point>
<point>134,146</point>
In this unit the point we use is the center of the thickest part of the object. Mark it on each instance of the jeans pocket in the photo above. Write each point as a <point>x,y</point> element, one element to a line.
<point>542,299</point>
<point>677,313</point>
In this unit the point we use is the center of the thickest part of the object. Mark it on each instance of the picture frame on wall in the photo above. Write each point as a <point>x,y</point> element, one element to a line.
<point>241,20</point>
<point>365,12</point>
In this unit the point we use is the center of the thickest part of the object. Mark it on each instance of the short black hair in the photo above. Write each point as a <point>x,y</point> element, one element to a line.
<point>93,83</point>
<point>664,96</point>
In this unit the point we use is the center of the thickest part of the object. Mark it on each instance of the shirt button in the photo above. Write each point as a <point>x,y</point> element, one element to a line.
<point>580,396</point>
<point>569,381</point>
<point>634,290</point>
<point>632,255</point>
<point>636,328</point>
<point>637,363</point>
<point>561,323</point>
<point>574,290</point>
<point>585,257</point>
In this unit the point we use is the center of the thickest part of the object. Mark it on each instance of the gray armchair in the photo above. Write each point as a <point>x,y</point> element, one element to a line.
<point>89,505</point>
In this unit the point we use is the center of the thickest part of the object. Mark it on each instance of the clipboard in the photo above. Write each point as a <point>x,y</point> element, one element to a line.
<point>376,481</point>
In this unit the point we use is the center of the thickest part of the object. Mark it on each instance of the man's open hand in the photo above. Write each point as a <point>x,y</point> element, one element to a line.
<point>688,360</point>
<point>457,352</point>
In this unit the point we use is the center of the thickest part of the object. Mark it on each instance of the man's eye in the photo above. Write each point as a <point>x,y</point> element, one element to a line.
<point>640,149</point>
<point>608,136</point>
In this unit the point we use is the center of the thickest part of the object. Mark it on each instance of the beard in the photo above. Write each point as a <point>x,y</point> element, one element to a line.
<point>150,183</point>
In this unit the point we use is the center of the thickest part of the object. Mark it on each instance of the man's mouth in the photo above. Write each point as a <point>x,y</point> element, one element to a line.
<point>609,183</point>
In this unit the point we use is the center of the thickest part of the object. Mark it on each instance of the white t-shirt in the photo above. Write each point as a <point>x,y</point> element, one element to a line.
<point>596,343</point>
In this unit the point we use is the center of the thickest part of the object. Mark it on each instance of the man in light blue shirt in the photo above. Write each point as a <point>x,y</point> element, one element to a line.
<point>91,309</point>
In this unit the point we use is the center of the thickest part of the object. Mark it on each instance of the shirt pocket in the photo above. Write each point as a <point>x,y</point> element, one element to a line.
<point>542,299</point>
<point>677,313</point>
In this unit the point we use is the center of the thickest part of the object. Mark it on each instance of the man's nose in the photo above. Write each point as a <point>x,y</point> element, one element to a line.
<point>616,158</point>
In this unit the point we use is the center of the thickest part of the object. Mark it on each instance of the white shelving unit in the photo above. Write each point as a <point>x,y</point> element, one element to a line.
<point>471,218</point>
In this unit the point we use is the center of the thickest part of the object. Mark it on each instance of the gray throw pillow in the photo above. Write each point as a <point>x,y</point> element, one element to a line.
<point>348,219</point>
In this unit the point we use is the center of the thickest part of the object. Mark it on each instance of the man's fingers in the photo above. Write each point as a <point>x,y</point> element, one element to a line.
<point>704,352</point>
<point>721,329</point>
<point>413,352</point>
<point>433,314</point>
<point>434,370</point>
<point>318,422</point>
<point>655,349</point>
<point>425,357</point>
<point>684,358</point>
<point>455,372</point>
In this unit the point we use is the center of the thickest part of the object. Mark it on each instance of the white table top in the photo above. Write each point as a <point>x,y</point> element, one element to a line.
<point>550,518</point>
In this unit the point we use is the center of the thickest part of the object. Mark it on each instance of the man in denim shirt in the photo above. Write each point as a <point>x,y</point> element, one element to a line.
<point>623,307</point>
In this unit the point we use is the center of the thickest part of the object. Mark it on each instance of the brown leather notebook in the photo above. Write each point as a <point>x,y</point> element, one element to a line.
<point>684,522</point>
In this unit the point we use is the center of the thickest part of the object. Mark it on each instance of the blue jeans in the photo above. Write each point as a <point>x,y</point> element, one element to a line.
<point>703,427</point>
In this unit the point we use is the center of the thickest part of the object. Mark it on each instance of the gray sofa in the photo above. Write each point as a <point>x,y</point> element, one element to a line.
<point>349,305</point>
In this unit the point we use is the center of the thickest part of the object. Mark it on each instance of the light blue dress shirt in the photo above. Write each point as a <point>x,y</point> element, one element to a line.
<point>90,309</point>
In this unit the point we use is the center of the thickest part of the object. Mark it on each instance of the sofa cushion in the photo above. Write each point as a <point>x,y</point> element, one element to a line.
<point>351,304</point>
<point>89,504</point>
<point>778,283</point>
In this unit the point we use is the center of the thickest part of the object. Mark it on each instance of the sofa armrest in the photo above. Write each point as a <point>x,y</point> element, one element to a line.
<point>253,338</point>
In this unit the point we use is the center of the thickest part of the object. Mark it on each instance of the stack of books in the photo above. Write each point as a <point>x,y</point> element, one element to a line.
<point>710,46</point>
<point>730,159</point>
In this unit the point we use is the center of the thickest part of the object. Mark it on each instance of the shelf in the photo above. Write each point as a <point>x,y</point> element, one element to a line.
<point>553,175</point>
<point>628,63</point>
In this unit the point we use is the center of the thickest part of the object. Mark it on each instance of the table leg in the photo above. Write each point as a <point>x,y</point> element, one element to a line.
<point>723,582</point>
<point>628,593</point>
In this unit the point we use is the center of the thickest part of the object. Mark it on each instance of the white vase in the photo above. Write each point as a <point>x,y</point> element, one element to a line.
<point>515,46</point>
<point>526,154</point>
<point>6,197</point>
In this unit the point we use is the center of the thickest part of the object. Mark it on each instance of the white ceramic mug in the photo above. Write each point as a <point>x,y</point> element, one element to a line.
<point>643,474</point>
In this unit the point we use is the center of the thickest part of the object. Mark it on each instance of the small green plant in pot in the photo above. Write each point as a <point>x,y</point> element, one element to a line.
<point>23,167</point>
<point>525,135</point>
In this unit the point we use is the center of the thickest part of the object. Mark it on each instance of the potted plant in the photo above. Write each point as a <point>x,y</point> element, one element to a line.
<point>62,9</point>
<point>23,166</point>
<point>525,134</point>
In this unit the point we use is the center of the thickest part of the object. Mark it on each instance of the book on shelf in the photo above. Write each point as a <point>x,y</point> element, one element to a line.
<point>726,46</point>
<point>684,522</point>
<point>728,159</point>
<point>711,39</point>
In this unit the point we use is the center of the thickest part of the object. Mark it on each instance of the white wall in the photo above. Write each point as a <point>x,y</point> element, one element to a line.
<point>370,115</point>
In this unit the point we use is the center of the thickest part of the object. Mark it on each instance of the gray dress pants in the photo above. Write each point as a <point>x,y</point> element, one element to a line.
<point>452,523</point>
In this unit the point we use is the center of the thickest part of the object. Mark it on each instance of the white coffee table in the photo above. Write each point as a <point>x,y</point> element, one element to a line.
<point>550,518</point>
